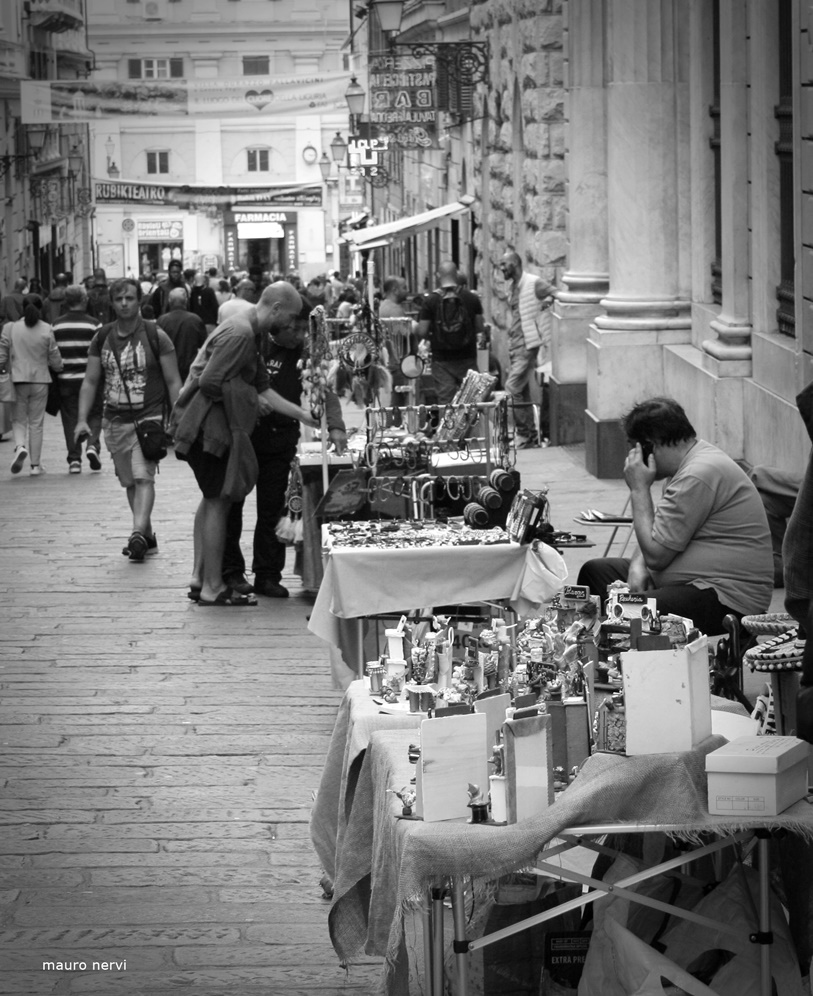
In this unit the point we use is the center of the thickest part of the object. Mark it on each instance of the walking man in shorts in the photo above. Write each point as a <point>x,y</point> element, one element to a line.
<point>140,375</point>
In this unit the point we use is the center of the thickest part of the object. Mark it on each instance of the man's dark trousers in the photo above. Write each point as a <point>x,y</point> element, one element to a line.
<point>275,451</point>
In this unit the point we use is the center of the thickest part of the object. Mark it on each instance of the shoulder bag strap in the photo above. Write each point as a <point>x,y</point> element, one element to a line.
<point>115,353</point>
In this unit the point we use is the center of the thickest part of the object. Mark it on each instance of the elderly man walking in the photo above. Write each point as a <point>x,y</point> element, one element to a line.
<point>530,298</point>
<point>186,330</point>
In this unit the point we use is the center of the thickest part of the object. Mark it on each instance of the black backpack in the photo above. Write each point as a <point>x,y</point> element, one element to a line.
<point>454,328</point>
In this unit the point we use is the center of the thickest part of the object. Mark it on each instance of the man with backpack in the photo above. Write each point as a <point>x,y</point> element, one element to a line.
<point>450,318</point>
<point>136,362</point>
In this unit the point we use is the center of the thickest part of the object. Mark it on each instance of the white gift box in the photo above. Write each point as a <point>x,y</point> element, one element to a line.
<point>757,776</point>
<point>667,699</point>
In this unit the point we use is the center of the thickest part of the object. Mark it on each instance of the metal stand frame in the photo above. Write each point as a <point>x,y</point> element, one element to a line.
<point>575,837</point>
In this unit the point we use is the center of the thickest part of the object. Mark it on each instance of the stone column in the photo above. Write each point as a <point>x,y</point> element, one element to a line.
<point>647,307</point>
<point>587,279</point>
<point>729,355</point>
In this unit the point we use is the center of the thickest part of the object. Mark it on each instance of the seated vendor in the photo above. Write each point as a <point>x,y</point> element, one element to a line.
<point>704,549</point>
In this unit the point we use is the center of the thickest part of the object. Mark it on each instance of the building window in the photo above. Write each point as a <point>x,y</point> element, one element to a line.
<point>38,65</point>
<point>154,69</point>
<point>785,292</point>
<point>158,162</point>
<point>258,160</point>
<point>255,65</point>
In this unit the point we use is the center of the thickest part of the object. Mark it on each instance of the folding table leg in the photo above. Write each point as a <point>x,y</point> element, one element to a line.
<point>426,917</point>
<point>437,942</point>
<point>764,937</point>
<point>461,945</point>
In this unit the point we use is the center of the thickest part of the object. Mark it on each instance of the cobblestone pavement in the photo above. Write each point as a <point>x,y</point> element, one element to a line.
<point>159,759</point>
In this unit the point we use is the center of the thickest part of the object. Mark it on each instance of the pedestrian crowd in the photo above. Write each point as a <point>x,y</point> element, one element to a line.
<point>212,364</point>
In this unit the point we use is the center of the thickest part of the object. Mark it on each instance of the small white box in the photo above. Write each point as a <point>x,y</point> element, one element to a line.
<point>757,776</point>
<point>667,699</point>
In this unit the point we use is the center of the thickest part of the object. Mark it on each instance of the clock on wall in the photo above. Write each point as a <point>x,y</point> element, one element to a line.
<point>309,154</point>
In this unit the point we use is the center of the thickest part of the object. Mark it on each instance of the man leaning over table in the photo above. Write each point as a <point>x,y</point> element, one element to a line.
<point>704,547</point>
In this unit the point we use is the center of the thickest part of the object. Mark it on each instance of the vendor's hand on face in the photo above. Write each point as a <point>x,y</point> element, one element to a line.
<point>339,439</point>
<point>639,473</point>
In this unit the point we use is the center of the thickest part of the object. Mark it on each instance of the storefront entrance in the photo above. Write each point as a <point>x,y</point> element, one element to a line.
<point>154,257</point>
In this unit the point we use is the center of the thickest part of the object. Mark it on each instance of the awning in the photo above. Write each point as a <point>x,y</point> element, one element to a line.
<point>381,235</point>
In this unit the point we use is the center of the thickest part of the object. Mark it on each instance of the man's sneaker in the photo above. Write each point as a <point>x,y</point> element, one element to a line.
<point>525,443</point>
<point>94,462</point>
<point>36,470</point>
<point>271,589</point>
<point>20,455</point>
<point>152,546</point>
<point>74,467</point>
<point>137,546</point>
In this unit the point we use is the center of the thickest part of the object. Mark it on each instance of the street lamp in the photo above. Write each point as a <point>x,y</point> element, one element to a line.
<point>355,97</point>
<point>389,14</point>
<point>112,168</point>
<point>325,166</point>
<point>464,61</point>
<point>338,148</point>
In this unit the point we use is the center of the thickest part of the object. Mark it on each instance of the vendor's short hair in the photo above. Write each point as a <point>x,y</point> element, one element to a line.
<point>657,420</point>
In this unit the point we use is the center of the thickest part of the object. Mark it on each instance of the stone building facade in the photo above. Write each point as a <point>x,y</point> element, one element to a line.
<point>518,139</point>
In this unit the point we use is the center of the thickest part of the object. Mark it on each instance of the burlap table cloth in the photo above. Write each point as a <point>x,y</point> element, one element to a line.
<point>357,719</point>
<point>368,581</point>
<point>386,864</point>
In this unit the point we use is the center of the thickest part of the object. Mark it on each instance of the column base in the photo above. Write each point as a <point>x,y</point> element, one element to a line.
<point>605,448</point>
<point>568,403</point>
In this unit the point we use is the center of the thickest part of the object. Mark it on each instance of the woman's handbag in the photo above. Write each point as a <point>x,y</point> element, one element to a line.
<point>54,402</point>
<point>7,391</point>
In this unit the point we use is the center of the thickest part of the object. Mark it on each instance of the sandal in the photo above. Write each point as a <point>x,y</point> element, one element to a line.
<point>137,547</point>
<point>194,593</point>
<point>229,597</point>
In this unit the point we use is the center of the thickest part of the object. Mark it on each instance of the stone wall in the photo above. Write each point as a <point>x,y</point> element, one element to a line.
<point>521,204</point>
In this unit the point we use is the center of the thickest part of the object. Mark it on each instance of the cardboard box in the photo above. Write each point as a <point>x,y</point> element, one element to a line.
<point>667,699</point>
<point>453,755</point>
<point>757,776</point>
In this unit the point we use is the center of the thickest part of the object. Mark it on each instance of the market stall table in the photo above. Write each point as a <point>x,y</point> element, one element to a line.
<point>358,718</point>
<point>364,581</point>
<point>387,865</point>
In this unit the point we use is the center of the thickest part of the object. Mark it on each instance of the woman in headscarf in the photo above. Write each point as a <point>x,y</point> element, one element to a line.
<point>29,351</point>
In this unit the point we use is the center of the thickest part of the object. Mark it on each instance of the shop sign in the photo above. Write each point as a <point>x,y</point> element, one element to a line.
<point>291,248</point>
<point>249,217</point>
<point>351,191</point>
<point>403,102</point>
<point>295,195</point>
<point>160,231</point>
<point>230,233</point>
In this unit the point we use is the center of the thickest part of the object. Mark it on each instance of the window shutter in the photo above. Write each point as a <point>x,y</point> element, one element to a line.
<point>176,68</point>
<point>134,69</point>
<point>163,162</point>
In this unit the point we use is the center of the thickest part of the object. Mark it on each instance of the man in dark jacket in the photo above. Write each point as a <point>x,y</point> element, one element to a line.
<point>54,305</point>
<point>160,296</point>
<point>187,331</point>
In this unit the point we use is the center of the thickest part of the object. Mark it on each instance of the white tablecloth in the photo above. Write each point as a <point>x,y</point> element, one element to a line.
<point>368,581</point>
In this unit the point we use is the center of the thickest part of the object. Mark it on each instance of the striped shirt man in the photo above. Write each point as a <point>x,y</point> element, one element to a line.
<point>73,332</point>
